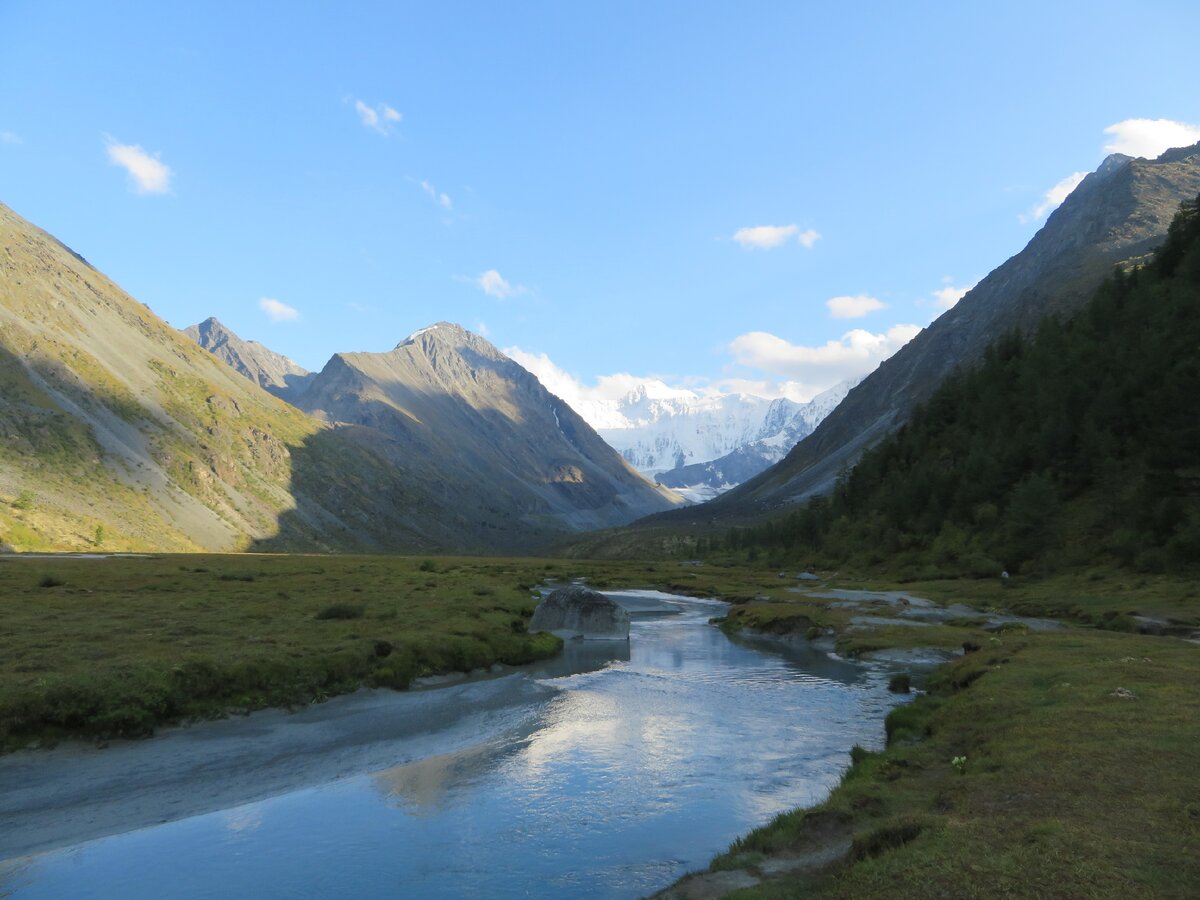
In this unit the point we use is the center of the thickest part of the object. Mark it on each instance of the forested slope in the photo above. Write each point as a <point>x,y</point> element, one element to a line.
<point>1079,444</point>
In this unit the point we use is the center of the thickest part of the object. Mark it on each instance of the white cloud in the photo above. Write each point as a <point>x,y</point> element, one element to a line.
<point>855,354</point>
<point>482,329</point>
<point>277,311</point>
<point>7,137</point>
<point>853,307</point>
<point>149,174</point>
<point>380,117</point>
<point>597,402</point>
<point>809,237</point>
<point>493,284</point>
<point>439,198</point>
<point>946,297</point>
<point>1149,137</point>
<point>1053,197</point>
<point>765,237</point>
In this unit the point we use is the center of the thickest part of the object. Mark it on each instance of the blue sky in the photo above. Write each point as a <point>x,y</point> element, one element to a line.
<point>668,189</point>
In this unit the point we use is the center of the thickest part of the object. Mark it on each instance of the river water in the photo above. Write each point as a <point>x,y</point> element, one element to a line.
<point>607,774</point>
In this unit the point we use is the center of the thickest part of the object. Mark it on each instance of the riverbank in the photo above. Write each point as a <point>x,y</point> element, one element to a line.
<point>1040,762</point>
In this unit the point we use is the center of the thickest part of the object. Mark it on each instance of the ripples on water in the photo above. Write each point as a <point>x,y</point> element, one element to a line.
<point>616,784</point>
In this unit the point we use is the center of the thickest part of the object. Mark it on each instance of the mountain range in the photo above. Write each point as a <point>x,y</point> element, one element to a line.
<point>119,432</point>
<point>1115,216</point>
<point>701,445</point>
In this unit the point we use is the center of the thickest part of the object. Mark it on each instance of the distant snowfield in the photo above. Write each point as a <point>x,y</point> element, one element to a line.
<point>670,434</point>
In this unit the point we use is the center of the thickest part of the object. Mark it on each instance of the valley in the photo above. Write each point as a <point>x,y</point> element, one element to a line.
<point>570,451</point>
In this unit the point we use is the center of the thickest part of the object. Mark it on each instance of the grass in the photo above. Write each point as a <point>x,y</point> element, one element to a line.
<point>119,646</point>
<point>1077,751</point>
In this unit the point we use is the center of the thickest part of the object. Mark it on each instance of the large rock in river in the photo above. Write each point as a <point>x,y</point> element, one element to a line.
<point>580,612</point>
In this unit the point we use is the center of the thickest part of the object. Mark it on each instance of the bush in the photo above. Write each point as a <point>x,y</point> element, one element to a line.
<point>49,581</point>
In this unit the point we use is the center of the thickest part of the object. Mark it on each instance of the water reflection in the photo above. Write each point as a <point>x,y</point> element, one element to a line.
<point>632,771</point>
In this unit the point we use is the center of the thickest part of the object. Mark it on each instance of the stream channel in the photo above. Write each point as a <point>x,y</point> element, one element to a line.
<point>608,772</point>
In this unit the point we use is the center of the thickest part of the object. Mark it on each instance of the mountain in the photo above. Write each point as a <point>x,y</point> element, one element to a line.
<point>1117,214</point>
<point>704,444</point>
<point>271,371</point>
<point>458,413</point>
<point>117,432</point>
<point>1076,446</point>
<point>784,425</point>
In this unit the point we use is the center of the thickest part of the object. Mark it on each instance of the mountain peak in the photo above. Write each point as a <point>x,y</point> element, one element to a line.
<point>443,332</point>
<point>269,370</point>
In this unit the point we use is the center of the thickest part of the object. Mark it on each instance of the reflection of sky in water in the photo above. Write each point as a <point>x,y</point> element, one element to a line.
<point>627,778</point>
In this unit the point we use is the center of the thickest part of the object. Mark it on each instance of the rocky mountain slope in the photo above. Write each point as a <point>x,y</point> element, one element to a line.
<point>117,432</point>
<point>1118,213</point>
<point>271,371</point>
<point>460,415</point>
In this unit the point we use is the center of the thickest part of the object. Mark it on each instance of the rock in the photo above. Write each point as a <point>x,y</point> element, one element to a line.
<point>579,612</point>
<point>807,576</point>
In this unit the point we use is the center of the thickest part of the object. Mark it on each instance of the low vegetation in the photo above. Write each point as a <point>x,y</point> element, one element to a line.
<point>1040,765</point>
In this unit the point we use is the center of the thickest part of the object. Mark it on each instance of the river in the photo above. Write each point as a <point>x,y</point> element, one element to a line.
<point>608,773</point>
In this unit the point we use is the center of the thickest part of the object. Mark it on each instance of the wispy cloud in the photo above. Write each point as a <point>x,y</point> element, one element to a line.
<point>1149,137</point>
<point>853,307</point>
<point>381,117</point>
<point>1053,197</point>
<point>148,174</point>
<point>278,311</point>
<point>494,284</point>
<point>767,237</point>
<point>855,354</point>
<point>437,197</point>
<point>8,137</point>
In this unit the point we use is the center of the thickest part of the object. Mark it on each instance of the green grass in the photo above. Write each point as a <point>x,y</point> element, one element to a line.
<point>1080,752</point>
<point>118,646</point>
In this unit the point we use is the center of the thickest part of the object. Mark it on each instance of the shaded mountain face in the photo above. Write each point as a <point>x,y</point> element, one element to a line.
<point>271,371</point>
<point>461,416</point>
<point>1118,213</point>
<point>117,432</point>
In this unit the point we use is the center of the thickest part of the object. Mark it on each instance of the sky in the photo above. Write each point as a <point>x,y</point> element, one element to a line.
<point>769,197</point>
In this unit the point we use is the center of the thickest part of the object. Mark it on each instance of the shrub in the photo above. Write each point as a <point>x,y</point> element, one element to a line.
<point>900,684</point>
<point>49,581</point>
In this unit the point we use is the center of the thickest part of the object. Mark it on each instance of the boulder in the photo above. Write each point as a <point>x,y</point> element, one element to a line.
<point>579,612</point>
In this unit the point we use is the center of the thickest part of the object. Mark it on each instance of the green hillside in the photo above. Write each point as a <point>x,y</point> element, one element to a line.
<point>1075,446</point>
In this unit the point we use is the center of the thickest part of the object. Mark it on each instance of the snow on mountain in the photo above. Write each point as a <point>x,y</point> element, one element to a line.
<point>672,434</point>
<point>786,423</point>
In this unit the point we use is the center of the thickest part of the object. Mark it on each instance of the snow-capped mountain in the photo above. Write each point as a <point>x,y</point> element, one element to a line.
<point>701,445</point>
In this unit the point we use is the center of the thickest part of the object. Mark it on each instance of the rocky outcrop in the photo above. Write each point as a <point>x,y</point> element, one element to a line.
<point>579,612</point>
<point>271,371</point>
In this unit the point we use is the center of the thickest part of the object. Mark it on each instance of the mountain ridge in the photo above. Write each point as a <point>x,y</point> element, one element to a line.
<point>1119,212</point>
